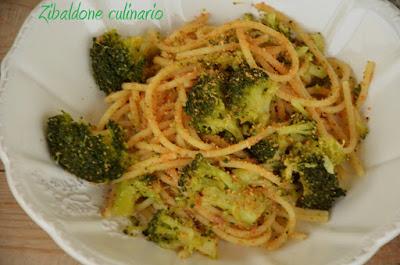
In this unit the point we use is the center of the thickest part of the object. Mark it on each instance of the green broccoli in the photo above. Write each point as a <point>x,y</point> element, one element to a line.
<point>263,150</point>
<point>270,20</point>
<point>223,61</point>
<point>313,172</point>
<point>172,232</point>
<point>201,173</point>
<point>125,194</point>
<point>134,227</point>
<point>249,17</point>
<point>302,52</point>
<point>299,126</point>
<point>116,60</point>
<point>207,110</point>
<point>320,188</point>
<point>270,149</point>
<point>247,177</point>
<point>314,74</point>
<point>330,147</point>
<point>248,94</point>
<point>246,205</point>
<point>217,188</point>
<point>93,157</point>
<point>318,40</point>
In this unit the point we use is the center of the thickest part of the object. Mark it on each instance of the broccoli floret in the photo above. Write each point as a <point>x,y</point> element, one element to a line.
<point>76,148</point>
<point>270,149</point>
<point>270,20</point>
<point>316,71</point>
<point>201,173</point>
<point>116,60</point>
<point>248,94</point>
<point>134,227</point>
<point>314,74</point>
<point>121,201</point>
<point>223,61</point>
<point>332,149</point>
<point>145,186</point>
<point>306,140</point>
<point>298,127</point>
<point>319,41</point>
<point>263,150</point>
<point>313,172</point>
<point>207,110</point>
<point>320,188</point>
<point>249,17</point>
<point>125,194</point>
<point>246,205</point>
<point>172,232</point>
<point>216,187</point>
<point>247,177</point>
<point>302,51</point>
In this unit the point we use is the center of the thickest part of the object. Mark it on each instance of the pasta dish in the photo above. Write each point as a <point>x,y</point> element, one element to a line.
<point>233,132</point>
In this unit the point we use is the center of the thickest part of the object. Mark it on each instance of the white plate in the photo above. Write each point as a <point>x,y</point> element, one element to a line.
<point>48,69</point>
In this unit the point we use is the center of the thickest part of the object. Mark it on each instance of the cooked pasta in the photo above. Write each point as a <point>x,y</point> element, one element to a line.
<point>247,172</point>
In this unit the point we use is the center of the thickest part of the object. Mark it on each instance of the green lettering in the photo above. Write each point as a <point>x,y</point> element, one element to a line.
<point>64,15</point>
<point>50,11</point>
<point>133,14</point>
<point>99,14</point>
<point>91,14</point>
<point>120,15</point>
<point>126,9</point>
<point>75,14</point>
<point>70,10</point>
<point>55,12</point>
<point>83,14</point>
<point>159,14</point>
<point>111,13</point>
<point>141,14</point>
<point>41,15</point>
<point>147,13</point>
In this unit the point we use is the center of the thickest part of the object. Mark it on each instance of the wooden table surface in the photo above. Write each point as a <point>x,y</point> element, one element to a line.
<point>21,240</point>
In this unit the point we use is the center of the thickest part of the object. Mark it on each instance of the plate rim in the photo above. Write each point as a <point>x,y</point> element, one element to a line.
<point>374,241</point>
